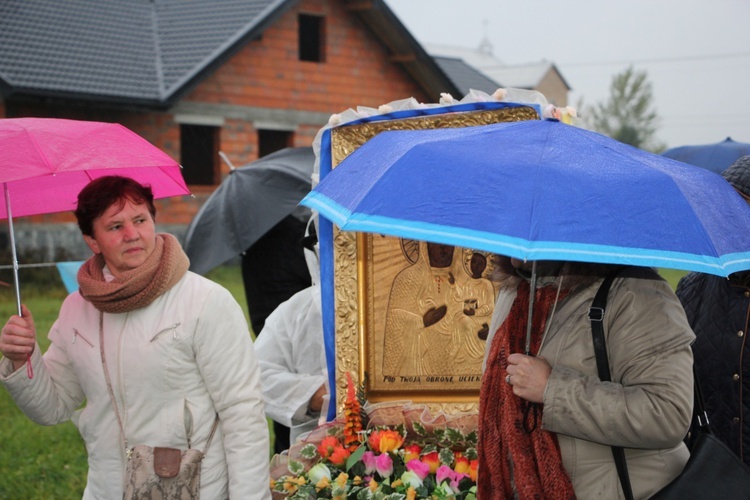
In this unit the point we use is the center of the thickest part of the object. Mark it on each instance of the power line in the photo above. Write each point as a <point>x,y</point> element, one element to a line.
<point>659,60</point>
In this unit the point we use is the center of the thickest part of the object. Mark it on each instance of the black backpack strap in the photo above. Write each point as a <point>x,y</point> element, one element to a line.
<point>596,316</point>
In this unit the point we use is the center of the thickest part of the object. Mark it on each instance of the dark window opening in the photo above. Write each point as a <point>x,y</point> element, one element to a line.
<point>199,154</point>
<point>311,38</point>
<point>270,141</point>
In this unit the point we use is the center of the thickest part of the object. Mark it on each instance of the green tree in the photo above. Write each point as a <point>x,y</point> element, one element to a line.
<point>628,115</point>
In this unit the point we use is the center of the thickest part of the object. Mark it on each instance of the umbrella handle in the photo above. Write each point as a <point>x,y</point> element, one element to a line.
<point>532,296</point>
<point>29,369</point>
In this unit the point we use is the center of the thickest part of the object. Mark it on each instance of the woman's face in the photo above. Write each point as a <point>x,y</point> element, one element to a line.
<point>125,238</point>
<point>440,255</point>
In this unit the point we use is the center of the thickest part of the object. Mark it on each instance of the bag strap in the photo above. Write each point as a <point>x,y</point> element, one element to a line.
<point>699,408</point>
<point>112,392</point>
<point>699,424</point>
<point>596,316</point>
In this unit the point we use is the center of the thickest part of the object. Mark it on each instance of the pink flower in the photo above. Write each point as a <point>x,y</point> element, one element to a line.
<point>368,458</point>
<point>444,472</point>
<point>457,477</point>
<point>418,467</point>
<point>384,464</point>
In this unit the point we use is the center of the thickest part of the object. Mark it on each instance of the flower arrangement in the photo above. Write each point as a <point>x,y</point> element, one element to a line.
<point>388,451</point>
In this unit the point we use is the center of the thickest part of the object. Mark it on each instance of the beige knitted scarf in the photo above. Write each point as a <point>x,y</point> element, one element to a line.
<point>138,287</point>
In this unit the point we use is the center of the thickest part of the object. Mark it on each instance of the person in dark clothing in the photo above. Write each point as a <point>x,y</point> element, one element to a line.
<point>718,310</point>
<point>274,269</point>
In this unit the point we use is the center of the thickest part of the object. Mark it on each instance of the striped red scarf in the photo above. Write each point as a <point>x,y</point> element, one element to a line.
<point>513,461</point>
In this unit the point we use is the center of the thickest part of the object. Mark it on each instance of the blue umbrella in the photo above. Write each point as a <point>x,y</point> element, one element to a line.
<point>715,157</point>
<point>539,190</point>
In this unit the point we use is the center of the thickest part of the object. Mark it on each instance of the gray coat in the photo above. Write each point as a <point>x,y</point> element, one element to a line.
<point>648,406</point>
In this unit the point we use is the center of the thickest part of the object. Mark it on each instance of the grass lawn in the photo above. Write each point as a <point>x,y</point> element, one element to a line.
<point>50,462</point>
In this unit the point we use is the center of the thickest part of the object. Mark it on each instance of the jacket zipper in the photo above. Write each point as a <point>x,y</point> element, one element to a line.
<point>77,334</point>
<point>174,332</point>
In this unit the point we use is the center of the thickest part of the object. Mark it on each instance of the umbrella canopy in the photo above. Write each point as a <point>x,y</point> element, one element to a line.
<point>715,157</point>
<point>539,190</point>
<point>45,162</point>
<point>247,204</point>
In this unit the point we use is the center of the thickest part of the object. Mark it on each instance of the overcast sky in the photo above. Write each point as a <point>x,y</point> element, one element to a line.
<point>696,52</point>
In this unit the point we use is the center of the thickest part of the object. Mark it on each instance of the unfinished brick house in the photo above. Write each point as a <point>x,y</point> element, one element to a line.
<point>196,77</point>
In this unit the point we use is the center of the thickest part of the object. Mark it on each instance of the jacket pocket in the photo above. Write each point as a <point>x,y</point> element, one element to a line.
<point>170,330</point>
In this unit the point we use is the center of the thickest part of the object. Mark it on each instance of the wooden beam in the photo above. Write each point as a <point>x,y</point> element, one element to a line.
<point>358,5</point>
<point>403,58</point>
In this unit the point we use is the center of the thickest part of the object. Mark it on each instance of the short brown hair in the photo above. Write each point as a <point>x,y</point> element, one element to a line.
<point>102,193</point>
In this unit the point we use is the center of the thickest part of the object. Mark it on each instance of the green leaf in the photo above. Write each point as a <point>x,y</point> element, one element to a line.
<point>309,451</point>
<point>471,453</point>
<point>429,448</point>
<point>355,457</point>
<point>465,484</point>
<point>455,435</point>
<point>446,456</point>
<point>365,494</point>
<point>295,467</point>
<point>419,429</point>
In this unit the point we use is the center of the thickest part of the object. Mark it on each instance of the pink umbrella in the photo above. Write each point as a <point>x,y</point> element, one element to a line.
<point>45,162</point>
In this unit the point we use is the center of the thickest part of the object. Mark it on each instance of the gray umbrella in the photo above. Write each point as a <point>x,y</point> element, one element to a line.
<point>248,203</point>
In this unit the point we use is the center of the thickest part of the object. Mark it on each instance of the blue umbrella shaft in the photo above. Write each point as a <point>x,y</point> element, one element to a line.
<point>532,295</point>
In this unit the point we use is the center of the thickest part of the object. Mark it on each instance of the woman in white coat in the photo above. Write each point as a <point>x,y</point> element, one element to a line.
<point>292,357</point>
<point>177,350</point>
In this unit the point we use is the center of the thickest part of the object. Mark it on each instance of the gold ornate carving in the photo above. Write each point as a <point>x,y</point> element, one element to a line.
<point>346,139</point>
<point>365,270</point>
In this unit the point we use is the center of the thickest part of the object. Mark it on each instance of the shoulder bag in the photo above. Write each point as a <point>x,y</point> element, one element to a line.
<point>713,470</point>
<point>154,472</point>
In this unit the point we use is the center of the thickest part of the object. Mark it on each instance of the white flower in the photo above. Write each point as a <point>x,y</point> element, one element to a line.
<point>500,94</point>
<point>384,109</point>
<point>410,478</point>
<point>551,112</point>
<point>318,472</point>
<point>571,111</point>
<point>446,98</point>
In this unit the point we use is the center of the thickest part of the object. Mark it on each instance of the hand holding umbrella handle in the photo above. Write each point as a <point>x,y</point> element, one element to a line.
<point>18,339</point>
<point>29,369</point>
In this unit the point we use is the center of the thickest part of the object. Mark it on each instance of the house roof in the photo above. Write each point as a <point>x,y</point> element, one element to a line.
<point>466,77</point>
<point>152,52</point>
<point>522,76</point>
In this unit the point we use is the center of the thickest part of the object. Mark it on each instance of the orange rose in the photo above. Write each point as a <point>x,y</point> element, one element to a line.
<point>385,441</point>
<point>326,447</point>
<point>462,464</point>
<point>473,466</point>
<point>339,455</point>
<point>432,460</point>
<point>411,452</point>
